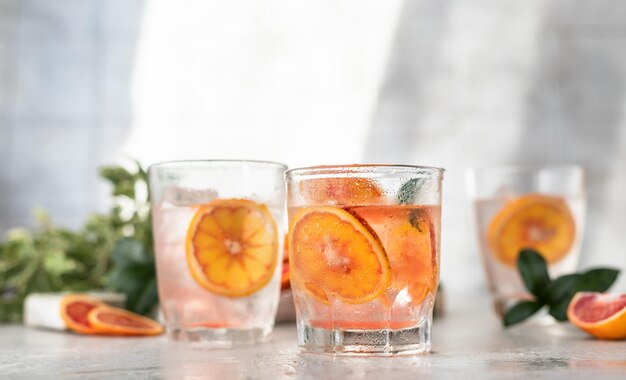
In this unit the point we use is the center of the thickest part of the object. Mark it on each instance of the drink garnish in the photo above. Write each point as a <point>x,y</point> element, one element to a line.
<point>232,246</point>
<point>408,191</point>
<point>538,221</point>
<point>334,253</point>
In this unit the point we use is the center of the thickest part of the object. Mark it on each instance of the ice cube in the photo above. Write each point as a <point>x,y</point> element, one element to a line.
<point>181,196</point>
<point>504,191</point>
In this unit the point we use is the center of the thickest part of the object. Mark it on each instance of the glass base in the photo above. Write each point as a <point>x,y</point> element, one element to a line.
<point>384,342</point>
<point>220,337</point>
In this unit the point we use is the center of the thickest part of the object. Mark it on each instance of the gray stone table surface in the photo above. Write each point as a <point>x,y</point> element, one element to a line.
<point>468,343</point>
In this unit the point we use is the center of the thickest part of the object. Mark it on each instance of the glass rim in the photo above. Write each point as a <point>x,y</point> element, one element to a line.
<point>199,162</point>
<point>363,169</point>
<point>524,168</point>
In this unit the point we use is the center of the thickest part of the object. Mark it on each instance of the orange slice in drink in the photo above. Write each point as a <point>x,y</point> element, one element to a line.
<point>408,234</point>
<point>74,311</point>
<point>341,191</point>
<point>285,282</point>
<point>113,321</point>
<point>601,315</point>
<point>333,253</point>
<point>537,221</point>
<point>232,247</point>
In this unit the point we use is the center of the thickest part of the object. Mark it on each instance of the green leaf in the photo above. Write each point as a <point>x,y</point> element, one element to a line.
<point>51,258</point>
<point>419,220</point>
<point>144,299</point>
<point>116,175</point>
<point>534,271</point>
<point>130,279</point>
<point>122,180</point>
<point>597,280</point>
<point>559,310</point>
<point>57,263</point>
<point>520,312</point>
<point>125,188</point>
<point>129,251</point>
<point>407,192</point>
<point>138,282</point>
<point>562,288</point>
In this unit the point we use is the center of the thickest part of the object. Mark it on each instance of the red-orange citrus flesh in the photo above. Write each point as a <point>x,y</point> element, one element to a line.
<point>601,315</point>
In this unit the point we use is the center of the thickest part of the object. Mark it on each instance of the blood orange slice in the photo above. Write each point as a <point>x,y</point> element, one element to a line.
<point>113,321</point>
<point>332,253</point>
<point>341,191</point>
<point>408,235</point>
<point>232,247</point>
<point>74,311</point>
<point>537,221</point>
<point>599,314</point>
<point>285,282</point>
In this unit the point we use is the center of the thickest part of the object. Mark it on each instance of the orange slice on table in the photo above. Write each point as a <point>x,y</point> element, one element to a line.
<point>232,247</point>
<point>542,222</point>
<point>599,314</point>
<point>341,191</point>
<point>408,235</point>
<point>74,311</point>
<point>332,253</point>
<point>113,321</point>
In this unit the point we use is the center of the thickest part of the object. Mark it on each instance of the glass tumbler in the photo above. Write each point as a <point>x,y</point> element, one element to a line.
<point>218,236</point>
<point>364,257</point>
<point>518,207</point>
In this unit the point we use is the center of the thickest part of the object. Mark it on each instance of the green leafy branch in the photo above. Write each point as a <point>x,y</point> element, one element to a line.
<point>103,254</point>
<point>133,271</point>
<point>555,294</point>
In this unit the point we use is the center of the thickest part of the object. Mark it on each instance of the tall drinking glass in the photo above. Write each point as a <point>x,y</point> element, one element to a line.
<point>364,257</point>
<point>519,207</point>
<point>218,228</point>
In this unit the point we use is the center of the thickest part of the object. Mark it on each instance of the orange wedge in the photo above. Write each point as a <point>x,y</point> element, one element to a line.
<point>332,253</point>
<point>74,311</point>
<point>601,315</point>
<point>113,321</point>
<point>341,191</point>
<point>232,247</point>
<point>542,222</point>
<point>408,234</point>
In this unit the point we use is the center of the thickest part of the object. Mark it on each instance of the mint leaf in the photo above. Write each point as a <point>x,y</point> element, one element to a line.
<point>406,194</point>
<point>533,269</point>
<point>520,312</point>
<point>418,219</point>
<point>597,280</point>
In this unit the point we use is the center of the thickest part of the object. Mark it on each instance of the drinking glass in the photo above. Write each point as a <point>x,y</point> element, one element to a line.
<point>218,228</point>
<point>364,257</point>
<point>518,207</point>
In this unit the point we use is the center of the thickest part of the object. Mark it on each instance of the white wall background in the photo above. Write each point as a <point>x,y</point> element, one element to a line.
<point>452,83</point>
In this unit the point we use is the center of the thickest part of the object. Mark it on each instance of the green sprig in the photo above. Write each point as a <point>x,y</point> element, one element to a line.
<point>103,254</point>
<point>555,294</point>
